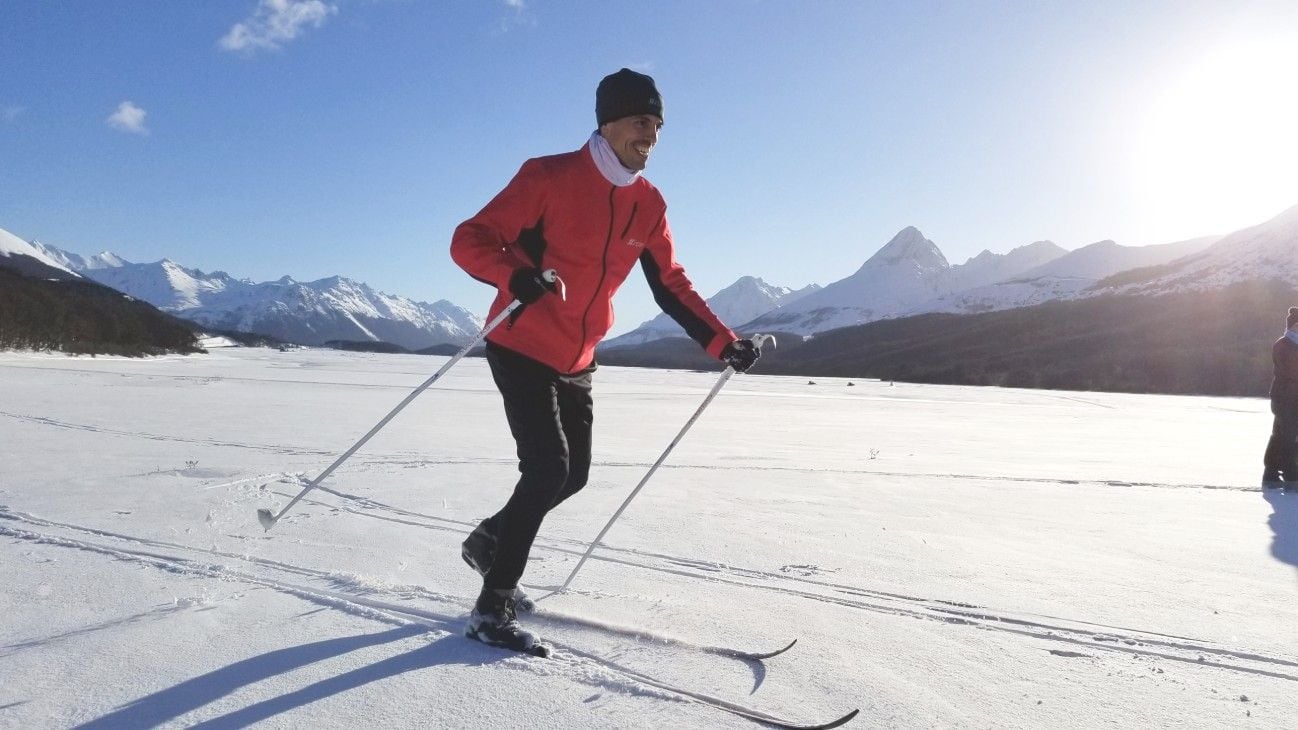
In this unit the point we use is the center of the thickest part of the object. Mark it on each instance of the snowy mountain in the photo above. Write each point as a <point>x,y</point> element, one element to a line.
<point>77,262</point>
<point>903,275</point>
<point>165,284</point>
<point>742,301</point>
<point>335,308</point>
<point>1069,276</point>
<point>310,313</point>
<point>908,270</point>
<point>29,260</point>
<point>988,267</point>
<point>1266,251</point>
<point>910,276</point>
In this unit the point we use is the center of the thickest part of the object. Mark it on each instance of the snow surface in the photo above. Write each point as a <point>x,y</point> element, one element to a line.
<point>946,556</point>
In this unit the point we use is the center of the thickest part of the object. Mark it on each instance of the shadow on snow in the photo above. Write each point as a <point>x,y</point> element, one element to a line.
<point>1284,525</point>
<point>174,702</point>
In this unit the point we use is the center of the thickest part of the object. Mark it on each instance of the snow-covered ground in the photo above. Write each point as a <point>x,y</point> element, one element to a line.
<point>945,556</point>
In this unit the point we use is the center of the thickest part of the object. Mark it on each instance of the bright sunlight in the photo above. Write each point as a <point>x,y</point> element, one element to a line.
<point>1217,150</point>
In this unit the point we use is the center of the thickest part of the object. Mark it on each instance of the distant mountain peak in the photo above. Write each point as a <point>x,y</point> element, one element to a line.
<point>105,260</point>
<point>745,299</point>
<point>909,245</point>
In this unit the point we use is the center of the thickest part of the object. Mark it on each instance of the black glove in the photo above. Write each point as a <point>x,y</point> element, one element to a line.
<point>740,355</point>
<point>527,285</point>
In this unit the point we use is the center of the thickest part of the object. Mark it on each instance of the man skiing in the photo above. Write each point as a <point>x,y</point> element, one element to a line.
<point>589,217</point>
<point>1278,463</point>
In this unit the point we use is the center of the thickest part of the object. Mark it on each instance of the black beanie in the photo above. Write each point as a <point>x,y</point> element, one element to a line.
<point>1293,317</point>
<point>624,94</point>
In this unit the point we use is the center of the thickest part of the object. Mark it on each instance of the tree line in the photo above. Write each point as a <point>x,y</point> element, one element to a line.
<point>1192,343</point>
<point>82,317</point>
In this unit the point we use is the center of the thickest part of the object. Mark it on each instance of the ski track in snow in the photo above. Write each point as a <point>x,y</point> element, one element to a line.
<point>414,462</point>
<point>380,460</point>
<point>354,597</point>
<point>211,379</point>
<point>1077,633</point>
<point>54,423</point>
<point>348,594</point>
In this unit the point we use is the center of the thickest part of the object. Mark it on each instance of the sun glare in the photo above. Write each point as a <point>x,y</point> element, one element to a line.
<point>1217,149</point>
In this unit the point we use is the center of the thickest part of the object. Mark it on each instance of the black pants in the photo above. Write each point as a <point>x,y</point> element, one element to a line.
<point>550,415</point>
<point>1282,448</point>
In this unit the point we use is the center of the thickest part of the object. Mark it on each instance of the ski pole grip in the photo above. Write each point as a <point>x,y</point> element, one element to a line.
<point>552,277</point>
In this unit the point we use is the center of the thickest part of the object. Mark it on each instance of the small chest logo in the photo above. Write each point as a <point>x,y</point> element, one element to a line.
<point>635,243</point>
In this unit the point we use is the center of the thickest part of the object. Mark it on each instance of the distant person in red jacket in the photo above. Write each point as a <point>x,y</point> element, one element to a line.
<point>1279,463</point>
<point>590,216</point>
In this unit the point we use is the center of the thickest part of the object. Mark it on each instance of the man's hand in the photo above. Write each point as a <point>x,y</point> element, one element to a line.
<point>529,284</point>
<point>741,354</point>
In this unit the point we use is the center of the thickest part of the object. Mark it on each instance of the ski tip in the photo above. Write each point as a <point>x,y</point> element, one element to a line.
<point>266,519</point>
<point>757,656</point>
<point>840,721</point>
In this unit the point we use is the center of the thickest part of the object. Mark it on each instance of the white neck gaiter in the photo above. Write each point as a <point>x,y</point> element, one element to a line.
<point>608,163</point>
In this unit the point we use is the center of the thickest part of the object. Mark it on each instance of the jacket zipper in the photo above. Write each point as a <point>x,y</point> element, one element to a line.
<point>629,221</point>
<point>603,274</point>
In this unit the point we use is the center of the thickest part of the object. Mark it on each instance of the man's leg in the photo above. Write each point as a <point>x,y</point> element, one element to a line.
<point>577,414</point>
<point>1286,434</point>
<point>532,409</point>
<point>1278,461</point>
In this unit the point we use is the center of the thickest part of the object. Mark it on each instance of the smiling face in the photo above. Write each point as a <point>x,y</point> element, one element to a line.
<point>632,138</point>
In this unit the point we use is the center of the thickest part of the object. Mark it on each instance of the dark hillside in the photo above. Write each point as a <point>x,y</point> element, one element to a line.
<point>80,316</point>
<point>1206,343</point>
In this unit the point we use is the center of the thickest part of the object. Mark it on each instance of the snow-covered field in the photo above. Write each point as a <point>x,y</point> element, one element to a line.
<point>945,556</point>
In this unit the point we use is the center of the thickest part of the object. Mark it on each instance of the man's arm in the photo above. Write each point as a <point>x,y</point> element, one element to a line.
<point>485,245</point>
<point>676,296</point>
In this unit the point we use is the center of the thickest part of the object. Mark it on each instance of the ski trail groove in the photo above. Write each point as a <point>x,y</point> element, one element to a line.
<point>54,423</point>
<point>1068,631</point>
<point>369,608</point>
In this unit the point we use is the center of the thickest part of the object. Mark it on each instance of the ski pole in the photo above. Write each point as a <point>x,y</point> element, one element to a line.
<point>758,340</point>
<point>268,519</point>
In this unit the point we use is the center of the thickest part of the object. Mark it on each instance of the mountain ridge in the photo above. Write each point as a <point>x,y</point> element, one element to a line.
<point>310,313</point>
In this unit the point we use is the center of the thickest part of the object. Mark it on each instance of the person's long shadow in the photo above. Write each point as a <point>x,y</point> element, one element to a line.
<point>1284,525</point>
<point>192,694</point>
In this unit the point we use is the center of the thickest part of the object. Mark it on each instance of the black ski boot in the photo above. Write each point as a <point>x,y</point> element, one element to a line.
<point>1272,480</point>
<point>494,622</point>
<point>479,551</point>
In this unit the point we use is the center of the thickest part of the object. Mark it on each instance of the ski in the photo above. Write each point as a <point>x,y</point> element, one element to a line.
<point>718,703</point>
<point>734,708</point>
<point>553,617</point>
<point>752,656</point>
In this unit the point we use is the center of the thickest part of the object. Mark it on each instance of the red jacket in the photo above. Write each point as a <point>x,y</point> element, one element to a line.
<point>561,213</point>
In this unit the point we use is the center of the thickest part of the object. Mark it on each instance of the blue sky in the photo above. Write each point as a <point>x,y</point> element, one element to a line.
<point>321,137</point>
